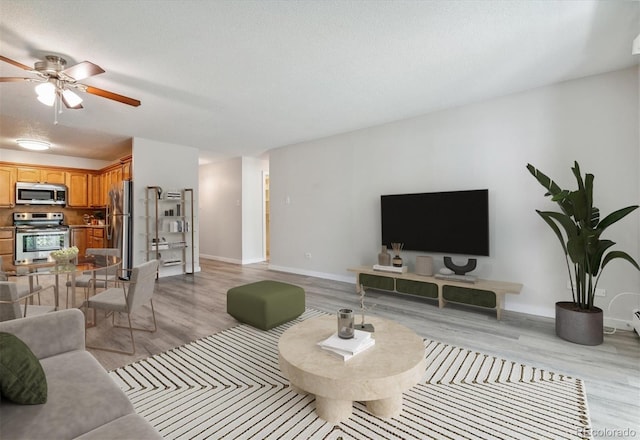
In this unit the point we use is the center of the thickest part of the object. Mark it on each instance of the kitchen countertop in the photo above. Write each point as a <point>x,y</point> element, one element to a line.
<point>87,226</point>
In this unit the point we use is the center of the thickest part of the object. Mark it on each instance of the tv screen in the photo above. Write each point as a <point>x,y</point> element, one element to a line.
<point>450,222</point>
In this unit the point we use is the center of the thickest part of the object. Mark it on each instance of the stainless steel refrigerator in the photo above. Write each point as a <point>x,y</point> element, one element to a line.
<point>120,222</point>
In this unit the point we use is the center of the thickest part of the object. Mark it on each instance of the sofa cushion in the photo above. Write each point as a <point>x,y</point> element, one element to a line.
<point>22,379</point>
<point>82,397</point>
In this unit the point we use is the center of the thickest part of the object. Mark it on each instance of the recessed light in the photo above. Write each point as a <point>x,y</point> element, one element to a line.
<point>32,144</point>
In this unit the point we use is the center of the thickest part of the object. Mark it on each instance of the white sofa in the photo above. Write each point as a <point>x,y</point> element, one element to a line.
<point>83,401</point>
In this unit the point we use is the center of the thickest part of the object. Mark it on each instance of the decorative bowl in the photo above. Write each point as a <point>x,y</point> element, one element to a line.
<point>65,255</point>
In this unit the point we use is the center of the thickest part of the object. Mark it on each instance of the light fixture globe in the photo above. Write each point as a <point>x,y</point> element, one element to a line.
<point>46,93</point>
<point>32,144</point>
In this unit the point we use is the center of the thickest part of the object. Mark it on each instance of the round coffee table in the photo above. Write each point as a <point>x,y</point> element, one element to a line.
<point>377,376</point>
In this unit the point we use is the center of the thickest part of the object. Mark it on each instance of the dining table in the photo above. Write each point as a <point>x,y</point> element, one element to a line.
<point>96,265</point>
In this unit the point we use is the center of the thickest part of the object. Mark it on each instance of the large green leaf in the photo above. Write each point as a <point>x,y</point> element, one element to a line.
<point>553,190</point>
<point>544,180</point>
<point>615,216</point>
<point>619,254</point>
<point>596,253</point>
<point>554,226</point>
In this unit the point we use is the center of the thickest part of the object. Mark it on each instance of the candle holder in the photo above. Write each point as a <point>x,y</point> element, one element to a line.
<point>363,326</point>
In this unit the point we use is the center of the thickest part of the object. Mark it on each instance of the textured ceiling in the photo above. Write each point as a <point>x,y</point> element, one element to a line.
<point>241,77</point>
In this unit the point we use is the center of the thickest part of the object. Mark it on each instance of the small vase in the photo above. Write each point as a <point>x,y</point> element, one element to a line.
<point>397,261</point>
<point>384,258</point>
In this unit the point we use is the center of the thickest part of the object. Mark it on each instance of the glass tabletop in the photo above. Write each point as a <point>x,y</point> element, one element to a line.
<point>87,263</point>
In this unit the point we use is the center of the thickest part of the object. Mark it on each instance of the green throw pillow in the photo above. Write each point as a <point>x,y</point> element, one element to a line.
<point>22,378</point>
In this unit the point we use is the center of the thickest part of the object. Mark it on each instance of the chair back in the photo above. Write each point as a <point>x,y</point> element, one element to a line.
<point>141,284</point>
<point>9,305</point>
<point>109,252</point>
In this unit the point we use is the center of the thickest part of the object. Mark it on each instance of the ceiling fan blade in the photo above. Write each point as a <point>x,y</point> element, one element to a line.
<point>110,95</point>
<point>81,71</point>
<point>13,79</point>
<point>15,63</point>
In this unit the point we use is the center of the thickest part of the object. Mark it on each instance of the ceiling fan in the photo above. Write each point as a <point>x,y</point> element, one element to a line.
<point>56,81</point>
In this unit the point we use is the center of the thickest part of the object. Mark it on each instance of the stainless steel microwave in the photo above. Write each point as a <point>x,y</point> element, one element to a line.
<point>28,193</point>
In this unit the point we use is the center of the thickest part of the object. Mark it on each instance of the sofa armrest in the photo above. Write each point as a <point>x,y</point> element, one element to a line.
<point>49,334</point>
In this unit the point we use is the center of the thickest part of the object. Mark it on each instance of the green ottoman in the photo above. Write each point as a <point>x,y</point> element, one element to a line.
<point>265,304</point>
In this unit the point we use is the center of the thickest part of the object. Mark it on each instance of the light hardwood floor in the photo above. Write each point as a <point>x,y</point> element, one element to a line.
<point>190,307</point>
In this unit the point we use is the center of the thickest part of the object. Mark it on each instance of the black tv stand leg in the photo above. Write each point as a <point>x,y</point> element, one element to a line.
<point>460,270</point>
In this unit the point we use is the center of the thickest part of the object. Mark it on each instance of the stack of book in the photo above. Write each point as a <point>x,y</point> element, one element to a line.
<point>348,348</point>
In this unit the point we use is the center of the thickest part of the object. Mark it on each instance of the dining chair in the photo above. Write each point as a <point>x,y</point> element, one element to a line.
<point>10,302</point>
<point>23,290</point>
<point>102,277</point>
<point>127,297</point>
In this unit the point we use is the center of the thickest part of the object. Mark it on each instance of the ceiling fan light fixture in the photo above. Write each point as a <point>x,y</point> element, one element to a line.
<point>46,93</point>
<point>32,144</point>
<point>73,100</point>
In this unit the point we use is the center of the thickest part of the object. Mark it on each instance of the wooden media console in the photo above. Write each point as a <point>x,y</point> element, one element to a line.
<point>482,293</point>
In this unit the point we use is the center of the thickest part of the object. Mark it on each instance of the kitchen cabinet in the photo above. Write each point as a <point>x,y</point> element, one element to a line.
<point>96,192</point>
<point>41,175</point>
<point>126,170</point>
<point>77,183</point>
<point>28,174</point>
<point>7,236</point>
<point>79,239</point>
<point>53,176</point>
<point>95,237</point>
<point>7,186</point>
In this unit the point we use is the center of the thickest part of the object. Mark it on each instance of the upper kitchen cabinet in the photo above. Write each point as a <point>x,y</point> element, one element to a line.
<point>78,186</point>
<point>96,190</point>
<point>7,186</point>
<point>126,169</point>
<point>41,175</point>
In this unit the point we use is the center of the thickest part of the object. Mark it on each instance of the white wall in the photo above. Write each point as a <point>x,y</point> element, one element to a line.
<point>221,210</point>
<point>49,159</point>
<point>325,193</point>
<point>232,202</point>
<point>169,166</point>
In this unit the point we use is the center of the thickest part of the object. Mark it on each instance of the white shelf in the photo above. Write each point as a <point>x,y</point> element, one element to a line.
<point>179,238</point>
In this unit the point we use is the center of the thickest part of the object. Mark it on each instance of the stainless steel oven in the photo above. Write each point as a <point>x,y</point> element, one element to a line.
<point>37,235</point>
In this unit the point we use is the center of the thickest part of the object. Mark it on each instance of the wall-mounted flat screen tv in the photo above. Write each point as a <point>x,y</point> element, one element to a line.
<point>450,222</point>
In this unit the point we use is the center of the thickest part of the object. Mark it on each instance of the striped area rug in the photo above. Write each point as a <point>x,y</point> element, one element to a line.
<point>229,386</point>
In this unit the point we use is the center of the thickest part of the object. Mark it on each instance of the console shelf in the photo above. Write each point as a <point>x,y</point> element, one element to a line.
<point>482,293</point>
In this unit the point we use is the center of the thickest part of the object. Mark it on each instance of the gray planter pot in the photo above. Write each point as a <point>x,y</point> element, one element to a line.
<point>579,326</point>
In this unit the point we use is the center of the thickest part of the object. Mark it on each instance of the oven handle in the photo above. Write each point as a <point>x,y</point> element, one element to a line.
<point>41,231</point>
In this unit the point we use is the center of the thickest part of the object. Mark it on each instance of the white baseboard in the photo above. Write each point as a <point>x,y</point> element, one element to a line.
<point>310,273</point>
<point>223,259</point>
<point>232,260</point>
<point>619,324</point>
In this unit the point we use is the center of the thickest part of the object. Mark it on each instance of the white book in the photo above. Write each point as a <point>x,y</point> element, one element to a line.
<point>346,355</point>
<point>353,345</point>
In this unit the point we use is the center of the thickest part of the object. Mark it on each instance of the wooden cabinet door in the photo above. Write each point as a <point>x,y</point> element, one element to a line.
<point>79,239</point>
<point>96,194</point>
<point>53,176</point>
<point>96,237</point>
<point>7,186</point>
<point>28,174</point>
<point>6,249</point>
<point>126,170</point>
<point>78,189</point>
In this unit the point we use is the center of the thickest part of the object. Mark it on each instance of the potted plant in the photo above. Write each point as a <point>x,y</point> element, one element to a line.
<point>579,228</point>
